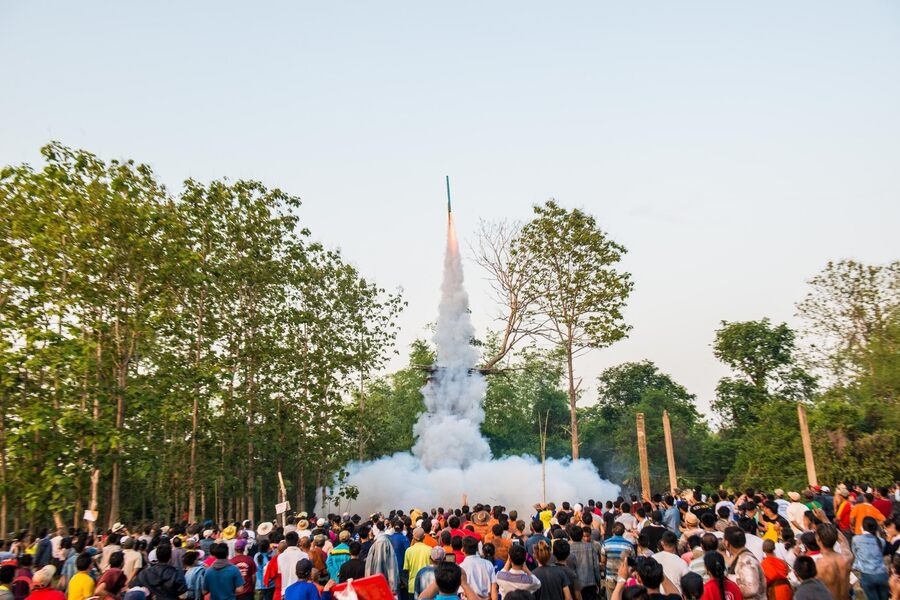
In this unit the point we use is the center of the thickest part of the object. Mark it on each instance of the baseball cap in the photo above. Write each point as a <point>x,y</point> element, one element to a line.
<point>438,554</point>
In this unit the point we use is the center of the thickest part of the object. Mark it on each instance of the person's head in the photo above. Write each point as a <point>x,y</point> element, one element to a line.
<point>892,526</point>
<point>723,513</point>
<point>488,551</point>
<point>805,568</point>
<point>448,577</point>
<point>577,534</point>
<point>116,559</point>
<point>691,586</point>
<point>870,525</point>
<point>768,546</point>
<point>164,553</point>
<point>650,574</point>
<point>304,569</point>
<point>656,517</point>
<point>7,574</point>
<point>537,526</point>
<point>826,535</point>
<point>219,550</point>
<point>497,529</point>
<point>708,520</point>
<point>635,592</point>
<point>189,559</point>
<point>748,525</point>
<point>715,568</point>
<point>561,550</point>
<point>83,562</point>
<point>709,542</point>
<point>541,553</point>
<point>735,537</point>
<point>808,539</point>
<point>291,538</point>
<point>470,546</point>
<point>618,529</point>
<point>456,543</point>
<point>669,541</point>
<point>446,538</point>
<point>626,507</point>
<point>453,522</point>
<point>517,555</point>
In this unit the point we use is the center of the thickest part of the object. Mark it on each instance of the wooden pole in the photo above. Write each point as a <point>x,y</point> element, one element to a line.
<point>543,426</point>
<point>282,491</point>
<point>670,452</point>
<point>642,454</point>
<point>807,446</point>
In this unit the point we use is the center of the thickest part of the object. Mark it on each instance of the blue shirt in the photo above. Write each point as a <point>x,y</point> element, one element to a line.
<point>262,559</point>
<point>304,590</point>
<point>222,582</point>
<point>614,548</point>
<point>672,519</point>
<point>868,553</point>
<point>400,544</point>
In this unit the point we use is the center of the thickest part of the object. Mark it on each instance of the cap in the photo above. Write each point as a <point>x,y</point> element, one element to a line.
<point>418,534</point>
<point>320,522</point>
<point>438,554</point>
<point>304,568</point>
<point>44,576</point>
<point>240,545</point>
<point>826,489</point>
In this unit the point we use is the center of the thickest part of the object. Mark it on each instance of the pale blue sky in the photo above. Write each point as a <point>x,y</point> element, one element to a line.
<point>734,148</point>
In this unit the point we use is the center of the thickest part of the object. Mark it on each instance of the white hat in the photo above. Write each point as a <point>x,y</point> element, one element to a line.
<point>265,528</point>
<point>207,533</point>
<point>578,508</point>
<point>117,527</point>
<point>826,489</point>
<point>320,522</point>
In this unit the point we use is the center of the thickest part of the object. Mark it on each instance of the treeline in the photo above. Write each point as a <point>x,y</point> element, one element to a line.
<point>553,275</point>
<point>166,355</point>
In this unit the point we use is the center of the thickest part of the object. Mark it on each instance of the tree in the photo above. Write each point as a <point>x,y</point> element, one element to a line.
<point>763,357</point>
<point>850,304</point>
<point>578,293</point>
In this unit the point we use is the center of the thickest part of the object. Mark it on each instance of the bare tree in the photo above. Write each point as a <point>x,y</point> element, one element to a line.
<point>509,276</point>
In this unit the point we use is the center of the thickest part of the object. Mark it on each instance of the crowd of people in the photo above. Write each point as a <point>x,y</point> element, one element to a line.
<point>814,544</point>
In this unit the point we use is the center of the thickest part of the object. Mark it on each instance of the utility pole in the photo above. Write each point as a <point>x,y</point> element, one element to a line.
<point>807,446</point>
<point>670,452</point>
<point>642,454</point>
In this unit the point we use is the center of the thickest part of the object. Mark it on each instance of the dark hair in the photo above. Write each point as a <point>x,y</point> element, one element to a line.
<point>656,516</point>
<point>577,534</point>
<point>190,557</point>
<point>805,567</point>
<point>453,522</point>
<point>626,507</point>
<point>561,550</point>
<point>456,542</point>
<point>448,576</point>
<point>870,525</point>
<point>691,585</point>
<point>618,529</point>
<point>694,541</point>
<point>518,595</point>
<point>723,512</point>
<point>487,550</point>
<point>708,519</point>
<point>635,592</point>
<point>470,545</point>
<point>736,537</point>
<point>668,538</point>
<point>83,562</point>
<point>164,553</point>
<point>497,529</point>
<point>291,538</point>
<point>828,534</point>
<point>537,526</point>
<point>517,554</point>
<point>355,548</point>
<point>650,573</point>
<point>220,550</point>
<point>808,539</point>
<point>709,542</point>
<point>7,574</point>
<point>446,537</point>
<point>715,568</point>
<point>117,559</point>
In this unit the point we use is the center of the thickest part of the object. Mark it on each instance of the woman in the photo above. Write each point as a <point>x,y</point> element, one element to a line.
<point>691,586</point>
<point>719,587</point>
<point>778,587</point>
<point>554,581</point>
<point>868,553</point>
<point>262,558</point>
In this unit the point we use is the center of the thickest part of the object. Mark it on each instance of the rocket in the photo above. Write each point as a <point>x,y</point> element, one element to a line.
<point>449,211</point>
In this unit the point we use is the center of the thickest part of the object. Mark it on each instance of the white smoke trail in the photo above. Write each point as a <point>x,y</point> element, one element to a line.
<point>450,457</point>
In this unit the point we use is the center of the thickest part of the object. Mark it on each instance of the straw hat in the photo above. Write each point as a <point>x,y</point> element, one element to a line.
<point>691,519</point>
<point>117,527</point>
<point>481,517</point>
<point>229,532</point>
<point>265,528</point>
<point>302,524</point>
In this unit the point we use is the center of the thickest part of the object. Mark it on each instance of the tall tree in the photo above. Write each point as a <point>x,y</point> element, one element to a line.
<point>579,293</point>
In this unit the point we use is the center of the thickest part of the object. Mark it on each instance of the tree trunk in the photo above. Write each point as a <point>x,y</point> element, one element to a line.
<point>301,490</point>
<point>116,477</point>
<point>4,498</point>
<point>573,415</point>
<point>195,413</point>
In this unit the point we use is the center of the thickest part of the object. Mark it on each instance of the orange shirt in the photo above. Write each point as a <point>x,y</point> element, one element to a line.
<point>860,512</point>
<point>429,541</point>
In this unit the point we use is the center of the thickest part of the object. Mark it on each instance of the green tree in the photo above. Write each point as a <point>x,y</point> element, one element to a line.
<point>578,292</point>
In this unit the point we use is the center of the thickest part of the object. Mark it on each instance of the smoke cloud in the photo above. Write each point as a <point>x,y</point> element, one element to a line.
<point>450,458</point>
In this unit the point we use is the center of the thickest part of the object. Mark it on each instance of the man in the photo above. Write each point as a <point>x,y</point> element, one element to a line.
<point>479,572</point>
<point>795,511</point>
<point>133,560</point>
<point>781,502</point>
<point>177,559</point>
<point>562,559</point>
<point>515,575</point>
<point>111,545</point>
<point>43,555</point>
<point>771,516</point>
<point>81,586</point>
<point>615,550</point>
<point>753,542</point>
<point>833,567</point>
<point>671,517</point>
<point>247,569</point>
<point>881,502</point>
<point>863,509</point>
<point>826,499</point>
<point>339,555</point>
<point>400,544</point>
<point>304,588</point>
<point>287,560</point>
<point>537,535</point>
<point>708,525</point>
<point>587,563</point>
<point>626,518</point>
<point>42,585</point>
<point>365,541</point>
<point>448,580</point>
<point>382,559</point>
<point>416,558</point>
<point>651,575</point>
<point>501,544</point>
<point>354,568</point>
<point>745,567</point>
<point>164,581</point>
<point>810,587</point>
<point>223,580</point>
<point>698,506</point>
<point>673,565</point>
<point>654,530</point>
<point>425,576</point>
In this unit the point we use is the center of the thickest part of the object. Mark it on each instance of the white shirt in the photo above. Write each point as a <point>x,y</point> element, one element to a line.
<point>673,566</point>
<point>782,506</point>
<point>754,545</point>
<point>480,574</point>
<point>628,520</point>
<point>287,565</point>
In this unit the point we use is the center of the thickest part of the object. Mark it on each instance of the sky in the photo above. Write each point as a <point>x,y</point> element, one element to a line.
<point>732,148</point>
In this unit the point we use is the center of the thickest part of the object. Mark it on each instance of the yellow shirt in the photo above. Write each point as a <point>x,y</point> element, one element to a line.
<point>417,556</point>
<point>80,587</point>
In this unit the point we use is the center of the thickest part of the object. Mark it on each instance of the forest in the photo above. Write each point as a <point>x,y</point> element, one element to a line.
<point>165,355</point>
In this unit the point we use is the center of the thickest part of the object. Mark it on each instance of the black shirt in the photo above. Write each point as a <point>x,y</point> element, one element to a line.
<point>352,569</point>
<point>553,580</point>
<point>654,534</point>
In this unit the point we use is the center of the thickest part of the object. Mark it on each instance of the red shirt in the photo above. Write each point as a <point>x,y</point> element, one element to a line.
<point>711,591</point>
<point>465,533</point>
<point>247,568</point>
<point>46,593</point>
<point>884,506</point>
